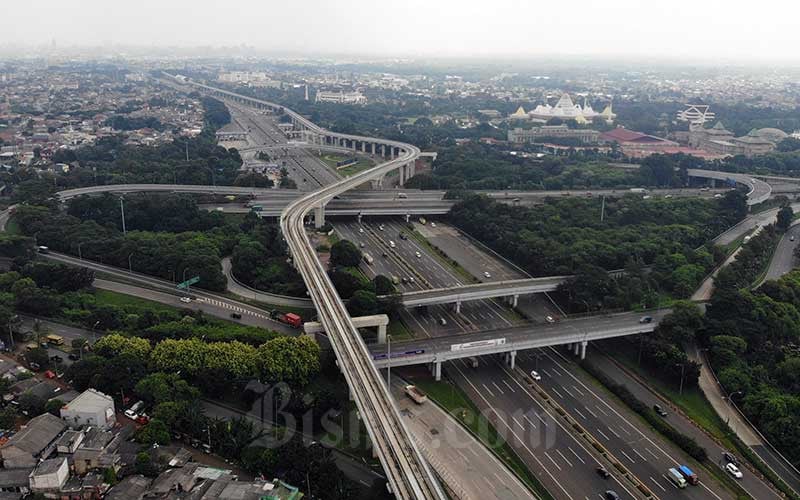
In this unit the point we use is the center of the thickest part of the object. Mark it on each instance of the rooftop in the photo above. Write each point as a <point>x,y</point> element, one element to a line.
<point>90,400</point>
<point>39,433</point>
<point>49,466</point>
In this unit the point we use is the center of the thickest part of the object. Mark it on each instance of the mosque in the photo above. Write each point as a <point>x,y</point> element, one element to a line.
<point>565,109</point>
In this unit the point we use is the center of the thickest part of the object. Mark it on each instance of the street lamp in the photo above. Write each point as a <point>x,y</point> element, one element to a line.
<point>122,213</point>
<point>94,334</point>
<point>388,361</point>
<point>730,400</point>
<point>130,266</point>
<point>80,255</point>
<point>680,390</point>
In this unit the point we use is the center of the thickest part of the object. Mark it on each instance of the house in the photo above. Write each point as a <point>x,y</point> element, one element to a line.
<point>14,481</point>
<point>97,451</point>
<point>131,487</point>
<point>91,408</point>
<point>49,475</point>
<point>33,442</point>
<point>69,441</point>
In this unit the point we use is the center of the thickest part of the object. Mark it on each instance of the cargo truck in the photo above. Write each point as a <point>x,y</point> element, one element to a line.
<point>290,319</point>
<point>415,394</point>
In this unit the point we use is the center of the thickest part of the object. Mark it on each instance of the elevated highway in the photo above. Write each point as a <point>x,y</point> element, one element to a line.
<point>510,288</point>
<point>577,332</point>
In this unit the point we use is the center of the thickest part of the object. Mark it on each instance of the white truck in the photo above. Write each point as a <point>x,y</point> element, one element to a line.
<point>415,394</point>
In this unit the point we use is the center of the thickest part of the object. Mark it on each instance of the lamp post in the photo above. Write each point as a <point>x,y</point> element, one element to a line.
<point>80,255</point>
<point>730,401</point>
<point>680,390</point>
<point>388,361</point>
<point>94,333</point>
<point>130,266</point>
<point>122,214</point>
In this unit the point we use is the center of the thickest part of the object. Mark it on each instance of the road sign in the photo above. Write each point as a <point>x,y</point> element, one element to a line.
<point>186,284</point>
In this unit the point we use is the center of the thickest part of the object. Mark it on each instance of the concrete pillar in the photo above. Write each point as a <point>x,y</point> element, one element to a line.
<point>383,150</point>
<point>319,217</point>
<point>402,171</point>
<point>583,349</point>
<point>408,218</point>
<point>514,300</point>
<point>511,359</point>
<point>437,370</point>
<point>363,147</point>
<point>381,334</point>
<point>373,149</point>
<point>577,348</point>
<point>458,307</point>
<point>412,168</point>
<point>358,217</point>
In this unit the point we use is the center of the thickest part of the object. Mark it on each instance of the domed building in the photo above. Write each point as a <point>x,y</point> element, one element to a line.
<point>774,135</point>
<point>566,109</point>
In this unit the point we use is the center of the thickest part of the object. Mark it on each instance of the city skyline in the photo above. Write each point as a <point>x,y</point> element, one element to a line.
<point>707,32</point>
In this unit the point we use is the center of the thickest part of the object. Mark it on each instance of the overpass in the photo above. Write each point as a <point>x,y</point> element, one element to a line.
<point>510,288</point>
<point>409,475</point>
<point>576,333</point>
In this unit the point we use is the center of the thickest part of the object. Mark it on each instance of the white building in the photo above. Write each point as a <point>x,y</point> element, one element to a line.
<point>49,475</point>
<point>91,408</point>
<point>341,97</point>
<point>565,109</point>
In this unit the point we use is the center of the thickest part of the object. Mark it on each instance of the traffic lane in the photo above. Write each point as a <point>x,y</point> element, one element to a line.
<point>784,260</point>
<point>211,306</point>
<point>640,450</point>
<point>751,483</point>
<point>551,452</point>
<point>474,260</point>
<point>458,457</point>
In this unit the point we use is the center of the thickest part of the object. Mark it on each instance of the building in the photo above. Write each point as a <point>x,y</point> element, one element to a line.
<point>50,475</point>
<point>537,134</point>
<point>721,141</point>
<point>341,97</point>
<point>696,114</point>
<point>33,442</point>
<point>91,409</point>
<point>15,481</point>
<point>565,109</point>
<point>637,144</point>
<point>98,450</point>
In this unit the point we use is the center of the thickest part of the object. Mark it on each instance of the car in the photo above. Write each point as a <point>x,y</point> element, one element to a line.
<point>733,470</point>
<point>405,280</point>
<point>361,245</point>
<point>646,319</point>
<point>403,236</point>
<point>668,196</point>
<point>73,357</point>
<point>486,274</point>
<point>419,255</point>
<point>658,409</point>
<point>380,228</point>
<point>550,319</point>
<point>611,495</point>
<point>535,375</point>
<point>186,300</point>
<point>411,279</point>
<point>433,224</point>
<point>730,458</point>
<point>791,238</point>
<point>361,230</point>
<point>392,244</point>
<point>49,374</point>
<point>442,321</point>
<point>56,359</point>
<point>602,472</point>
<point>384,254</point>
<point>236,316</point>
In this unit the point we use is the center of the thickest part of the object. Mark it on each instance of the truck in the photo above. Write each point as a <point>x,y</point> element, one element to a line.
<point>415,394</point>
<point>257,208</point>
<point>422,221</point>
<point>290,319</point>
<point>368,258</point>
<point>55,339</point>
<point>687,474</point>
<point>639,190</point>
<point>133,411</point>
<point>676,478</point>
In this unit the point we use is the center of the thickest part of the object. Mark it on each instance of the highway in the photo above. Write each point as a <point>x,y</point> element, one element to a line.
<point>784,259</point>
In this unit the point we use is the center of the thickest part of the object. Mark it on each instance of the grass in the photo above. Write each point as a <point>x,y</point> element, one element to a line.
<point>457,404</point>
<point>109,298</point>
<point>12,226</point>
<point>331,160</point>
<point>399,331</point>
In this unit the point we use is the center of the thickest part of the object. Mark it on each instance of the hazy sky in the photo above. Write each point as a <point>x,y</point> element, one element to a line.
<point>728,29</point>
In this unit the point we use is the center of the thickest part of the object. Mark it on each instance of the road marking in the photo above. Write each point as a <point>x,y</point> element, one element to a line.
<point>498,388</point>
<point>474,453</point>
<point>565,458</point>
<point>658,484</point>
<point>709,490</point>
<point>613,432</point>
<point>590,411</point>
<point>600,410</point>
<point>529,421</point>
<point>546,374</point>
<point>509,387</point>
<point>517,422</point>
<point>557,393</point>
<point>648,450</point>
<point>551,459</point>
<point>488,390</point>
<point>623,429</point>
<point>579,413</point>
<point>627,456</point>
<point>576,455</point>
<point>640,455</point>
<point>567,391</point>
<point>603,434</point>
<point>670,482</point>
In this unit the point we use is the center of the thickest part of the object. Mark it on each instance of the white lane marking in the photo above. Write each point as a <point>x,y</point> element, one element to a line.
<point>565,458</point>
<point>487,389</point>
<point>603,434</point>
<point>658,484</point>
<point>567,391</point>
<point>551,459</point>
<point>576,455</point>
<point>648,450</point>
<point>557,393</point>
<point>601,410</point>
<point>627,456</point>
<point>579,413</point>
<point>640,455</point>
<point>509,386</point>
<point>613,431</point>
<point>517,422</point>
<point>498,388</point>
<point>578,390</point>
<point>591,412</point>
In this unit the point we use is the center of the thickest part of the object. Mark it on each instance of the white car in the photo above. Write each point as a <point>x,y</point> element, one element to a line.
<point>549,319</point>
<point>733,471</point>
<point>433,224</point>
<point>361,230</point>
<point>486,274</point>
<point>380,228</point>
<point>186,300</point>
<point>535,375</point>
<point>419,255</point>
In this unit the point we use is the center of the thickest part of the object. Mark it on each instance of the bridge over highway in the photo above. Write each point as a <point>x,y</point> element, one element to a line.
<point>575,332</point>
<point>510,288</point>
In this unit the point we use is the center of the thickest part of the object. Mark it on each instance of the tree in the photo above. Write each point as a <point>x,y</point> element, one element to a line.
<point>154,432</point>
<point>344,253</point>
<point>144,465</point>
<point>179,355</point>
<point>383,285</point>
<point>31,404</point>
<point>293,360</point>
<point>54,407</point>
<point>363,303</point>
<point>7,418</point>
<point>785,217</point>
<point>115,344</point>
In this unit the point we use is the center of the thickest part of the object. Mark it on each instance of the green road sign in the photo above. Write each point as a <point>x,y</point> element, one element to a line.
<point>186,284</point>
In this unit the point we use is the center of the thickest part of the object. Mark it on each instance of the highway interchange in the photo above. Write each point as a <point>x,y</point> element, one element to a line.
<point>493,385</point>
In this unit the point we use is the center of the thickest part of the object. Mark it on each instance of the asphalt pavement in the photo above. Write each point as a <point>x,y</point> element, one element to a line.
<point>784,259</point>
